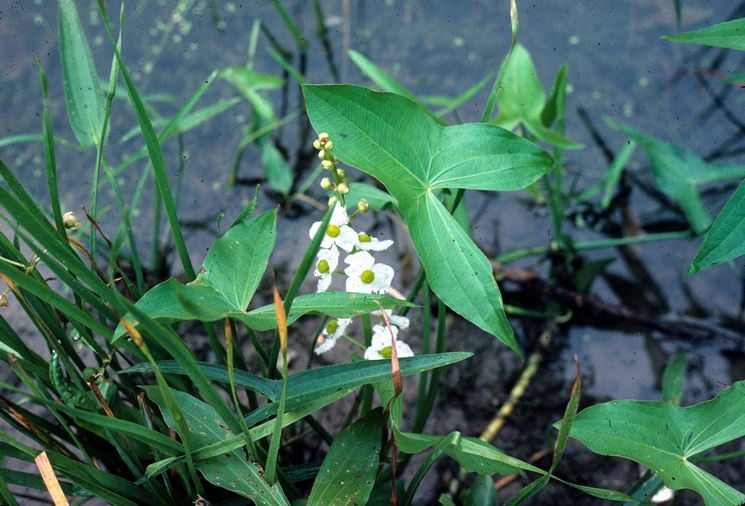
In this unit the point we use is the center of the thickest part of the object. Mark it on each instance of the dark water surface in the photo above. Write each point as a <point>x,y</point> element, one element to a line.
<point>618,66</point>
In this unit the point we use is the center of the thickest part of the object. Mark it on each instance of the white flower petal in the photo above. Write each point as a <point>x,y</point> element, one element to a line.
<point>375,245</point>
<point>399,321</point>
<point>371,354</point>
<point>355,284</point>
<point>339,216</point>
<point>314,229</point>
<point>323,283</point>
<point>343,324</point>
<point>362,260</point>
<point>325,346</point>
<point>347,238</point>
<point>381,337</point>
<point>383,277</point>
<point>331,255</point>
<point>403,350</point>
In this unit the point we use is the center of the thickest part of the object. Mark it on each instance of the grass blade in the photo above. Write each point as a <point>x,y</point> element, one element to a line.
<point>156,154</point>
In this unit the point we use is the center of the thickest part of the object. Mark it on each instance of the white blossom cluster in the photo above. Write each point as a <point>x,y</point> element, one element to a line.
<point>363,273</point>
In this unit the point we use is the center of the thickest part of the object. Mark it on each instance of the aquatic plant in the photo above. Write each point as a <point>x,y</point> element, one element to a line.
<point>116,404</point>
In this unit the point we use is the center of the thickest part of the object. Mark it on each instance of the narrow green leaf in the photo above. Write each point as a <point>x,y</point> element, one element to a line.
<point>379,76</point>
<point>730,34</point>
<point>85,101</point>
<point>672,379</point>
<point>665,437</point>
<point>725,240</point>
<point>334,304</point>
<point>613,174</point>
<point>156,154</point>
<point>313,383</point>
<point>570,412</point>
<point>347,474</point>
<point>472,454</point>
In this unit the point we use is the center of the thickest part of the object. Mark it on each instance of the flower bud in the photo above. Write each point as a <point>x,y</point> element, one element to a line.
<point>69,221</point>
<point>328,146</point>
<point>363,206</point>
<point>322,154</point>
<point>323,138</point>
<point>316,144</point>
<point>327,164</point>
<point>342,188</point>
<point>332,201</point>
<point>341,173</point>
<point>326,183</point>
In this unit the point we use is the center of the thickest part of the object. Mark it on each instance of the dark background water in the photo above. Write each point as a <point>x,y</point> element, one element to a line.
<point>618,67</point>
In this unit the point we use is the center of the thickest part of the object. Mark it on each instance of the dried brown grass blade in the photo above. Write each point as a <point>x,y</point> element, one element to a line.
<point>50,480</point>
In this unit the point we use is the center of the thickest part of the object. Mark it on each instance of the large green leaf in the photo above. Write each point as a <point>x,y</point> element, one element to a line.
<point>85,101</point>
<point>521,99</point>
<point>348,472</point>
<point>725,240</point>
<point>677,171</point>
<point>230,470</point>
<point>397,142</point>
<point>730,34</point>
<point>665,438</point>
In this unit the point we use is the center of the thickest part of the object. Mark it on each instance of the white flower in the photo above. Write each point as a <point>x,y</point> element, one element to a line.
<point>380,347</point>
<point>338,232</point>
<point>368,243</point>
<point>399,321</point>
<point>331,333</point>
<point>664,494</point>
<point>365,276</point>
<point>327,261</point>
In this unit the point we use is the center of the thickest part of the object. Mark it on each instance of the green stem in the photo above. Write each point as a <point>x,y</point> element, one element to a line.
<point>517,254</point>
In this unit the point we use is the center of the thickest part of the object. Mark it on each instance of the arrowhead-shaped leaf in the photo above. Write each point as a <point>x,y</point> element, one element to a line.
<point>666,438</point>
<point>678,171</point>
<point>394,140</point>
<point>521,99</point>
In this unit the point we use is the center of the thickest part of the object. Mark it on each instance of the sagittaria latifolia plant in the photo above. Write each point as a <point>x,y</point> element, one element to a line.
<point>116,405</point>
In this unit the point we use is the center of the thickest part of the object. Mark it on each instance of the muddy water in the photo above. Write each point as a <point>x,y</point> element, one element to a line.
<point>618,67</point>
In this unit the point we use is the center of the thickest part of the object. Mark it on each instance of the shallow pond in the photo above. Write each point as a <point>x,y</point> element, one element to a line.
<point>618,67</point>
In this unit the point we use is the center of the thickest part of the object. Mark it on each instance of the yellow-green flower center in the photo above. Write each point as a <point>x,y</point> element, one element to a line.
<point>323,266</point>
<point>333,231</point>
<point>363,237</point>
<point>367,276</point>
<point>332,327</point>
<point>386,352</point>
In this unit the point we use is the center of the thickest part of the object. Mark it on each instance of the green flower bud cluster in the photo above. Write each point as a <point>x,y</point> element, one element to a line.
<point>338,182</point>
